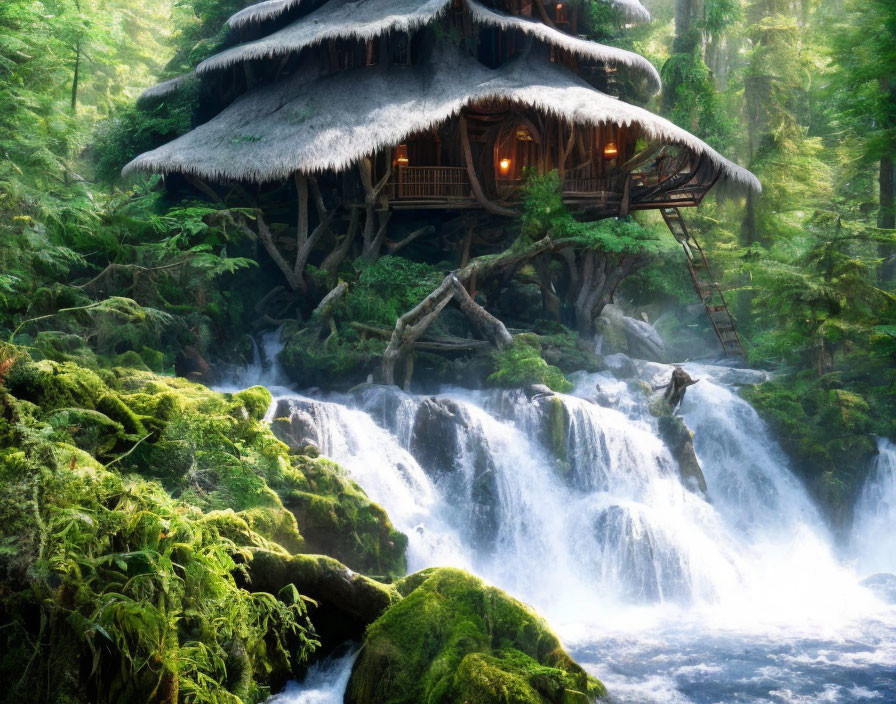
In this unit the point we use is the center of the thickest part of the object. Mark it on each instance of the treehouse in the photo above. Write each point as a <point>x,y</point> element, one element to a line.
<point>414,106</point>
<point>438,104</point>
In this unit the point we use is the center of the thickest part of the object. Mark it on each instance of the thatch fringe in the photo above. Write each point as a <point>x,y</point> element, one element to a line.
<point>579,47</point>
<point>165,88</point>
<point>337,19</point>
<point>271,9</point>
<point>327,123</point>
<point>260,12</point>
<point>344,19</point>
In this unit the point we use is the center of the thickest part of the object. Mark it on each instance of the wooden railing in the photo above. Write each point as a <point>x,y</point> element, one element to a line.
<point>586,181</point>
<point>430,183</point>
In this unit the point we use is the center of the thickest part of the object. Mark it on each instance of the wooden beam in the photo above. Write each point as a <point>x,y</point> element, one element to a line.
<point>474,179</point>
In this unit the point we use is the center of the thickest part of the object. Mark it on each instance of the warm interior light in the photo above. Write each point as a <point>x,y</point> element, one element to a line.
<point>504,165</point>
<point>610,150</point>
<point>401,155</point>
<point>560,13</point>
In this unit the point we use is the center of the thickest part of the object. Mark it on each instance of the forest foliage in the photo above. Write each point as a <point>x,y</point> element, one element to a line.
<point>98,274</point>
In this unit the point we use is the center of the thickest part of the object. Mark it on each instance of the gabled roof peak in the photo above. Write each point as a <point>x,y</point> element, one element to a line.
<point>365,19</point>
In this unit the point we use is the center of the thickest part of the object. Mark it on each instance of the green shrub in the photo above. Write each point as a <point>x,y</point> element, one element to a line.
<point>522,365</point>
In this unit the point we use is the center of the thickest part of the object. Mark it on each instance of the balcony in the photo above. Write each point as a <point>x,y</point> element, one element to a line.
<point>430,186</point>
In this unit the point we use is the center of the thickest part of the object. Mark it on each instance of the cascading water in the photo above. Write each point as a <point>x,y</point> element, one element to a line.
<point>577,508</point>
<point>874,532</point>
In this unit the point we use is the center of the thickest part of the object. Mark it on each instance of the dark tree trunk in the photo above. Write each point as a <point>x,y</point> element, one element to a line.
<point>599,279</point>
<point>77,77</point>
<point>886,217</point>
<point>749,231</point>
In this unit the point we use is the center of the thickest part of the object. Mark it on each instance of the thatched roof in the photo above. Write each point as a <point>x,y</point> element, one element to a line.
<point>337,19</point>
<point>579,47</point>
<point>313,124</point>
<point>633,10</point>
<point>270,9</point>
<point>365,19</point>
<point>260,12</point>
<point>165,88</point>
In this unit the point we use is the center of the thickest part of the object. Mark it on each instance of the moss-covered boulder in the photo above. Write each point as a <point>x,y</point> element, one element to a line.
<point>828,432</point>
<point>344,602</point>
<point>338,519</point>
<point>454,639</point>
<point>522,364</point>
<point>212,451</point>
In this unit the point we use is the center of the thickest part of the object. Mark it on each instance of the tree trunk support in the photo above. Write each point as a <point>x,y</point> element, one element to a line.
<point>478,193</point>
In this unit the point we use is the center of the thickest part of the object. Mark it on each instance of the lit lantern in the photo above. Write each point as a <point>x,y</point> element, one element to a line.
<point>504,166</point>
<point>611,151</point>
<point>401,155</point>
<point>560,13</point>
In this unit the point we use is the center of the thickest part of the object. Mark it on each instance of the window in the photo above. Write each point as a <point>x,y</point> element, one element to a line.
<point>372,52</point>
<point>560,14</point>
<point>401,49</point>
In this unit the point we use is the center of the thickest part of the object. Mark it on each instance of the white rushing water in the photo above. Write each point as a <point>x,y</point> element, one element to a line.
<point>574,504</point>
<point>324,684</point>
<point>874,532</point>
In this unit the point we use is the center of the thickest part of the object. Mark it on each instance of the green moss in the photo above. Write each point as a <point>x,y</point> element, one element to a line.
<point>255,400</point>
<point>826,430</point>
<point>112,405</point>
<point>338,519</point>
<point>344,359</point>
<point>559,420</point>
<point>131,360</point>
<point>89,430</point>
<point>153,359</point>
<point>522,365</point>
<point>453,639</point>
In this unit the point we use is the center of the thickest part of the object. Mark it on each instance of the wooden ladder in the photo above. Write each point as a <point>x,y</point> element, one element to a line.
<point>709,290</point>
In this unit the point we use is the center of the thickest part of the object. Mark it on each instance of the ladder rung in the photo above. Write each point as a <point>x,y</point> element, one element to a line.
<point>709,291</point>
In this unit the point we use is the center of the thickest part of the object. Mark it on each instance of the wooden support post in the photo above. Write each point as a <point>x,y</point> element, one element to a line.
<point>478,193</point>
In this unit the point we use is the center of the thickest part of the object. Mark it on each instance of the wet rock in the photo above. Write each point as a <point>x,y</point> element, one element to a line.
<point>637,338</point>
<point>293,426</point>
<point>535,390</point>
<point>454,639</point>
<point>680,441</point>
<point>744,377</point>
<point>459,460</point>
<point>621,365</point>
<point>883,585</point>
<point>436,436</point>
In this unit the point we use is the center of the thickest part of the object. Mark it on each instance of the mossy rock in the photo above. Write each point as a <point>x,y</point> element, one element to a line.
<point>454,639</point>
<point>558,426</point>
<point>337,518</point>
<point>131,360</point>
<point>255,400</point>
<point>345,602</point>
<point>570,353</point>
<point>90,430</point>
<point>53,385</point>
<point>522,365</point>
<point>827,432</point>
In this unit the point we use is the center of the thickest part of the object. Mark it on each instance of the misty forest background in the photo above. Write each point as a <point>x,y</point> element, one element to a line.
<point>803,93</point>
<point>109,274</point>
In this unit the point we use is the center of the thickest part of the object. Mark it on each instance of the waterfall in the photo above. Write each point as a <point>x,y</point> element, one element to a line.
<point>574,504</point>
<point>263,370</point>
<point>874,530</point>
<point>324,683</point>
<point>481,480</point>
